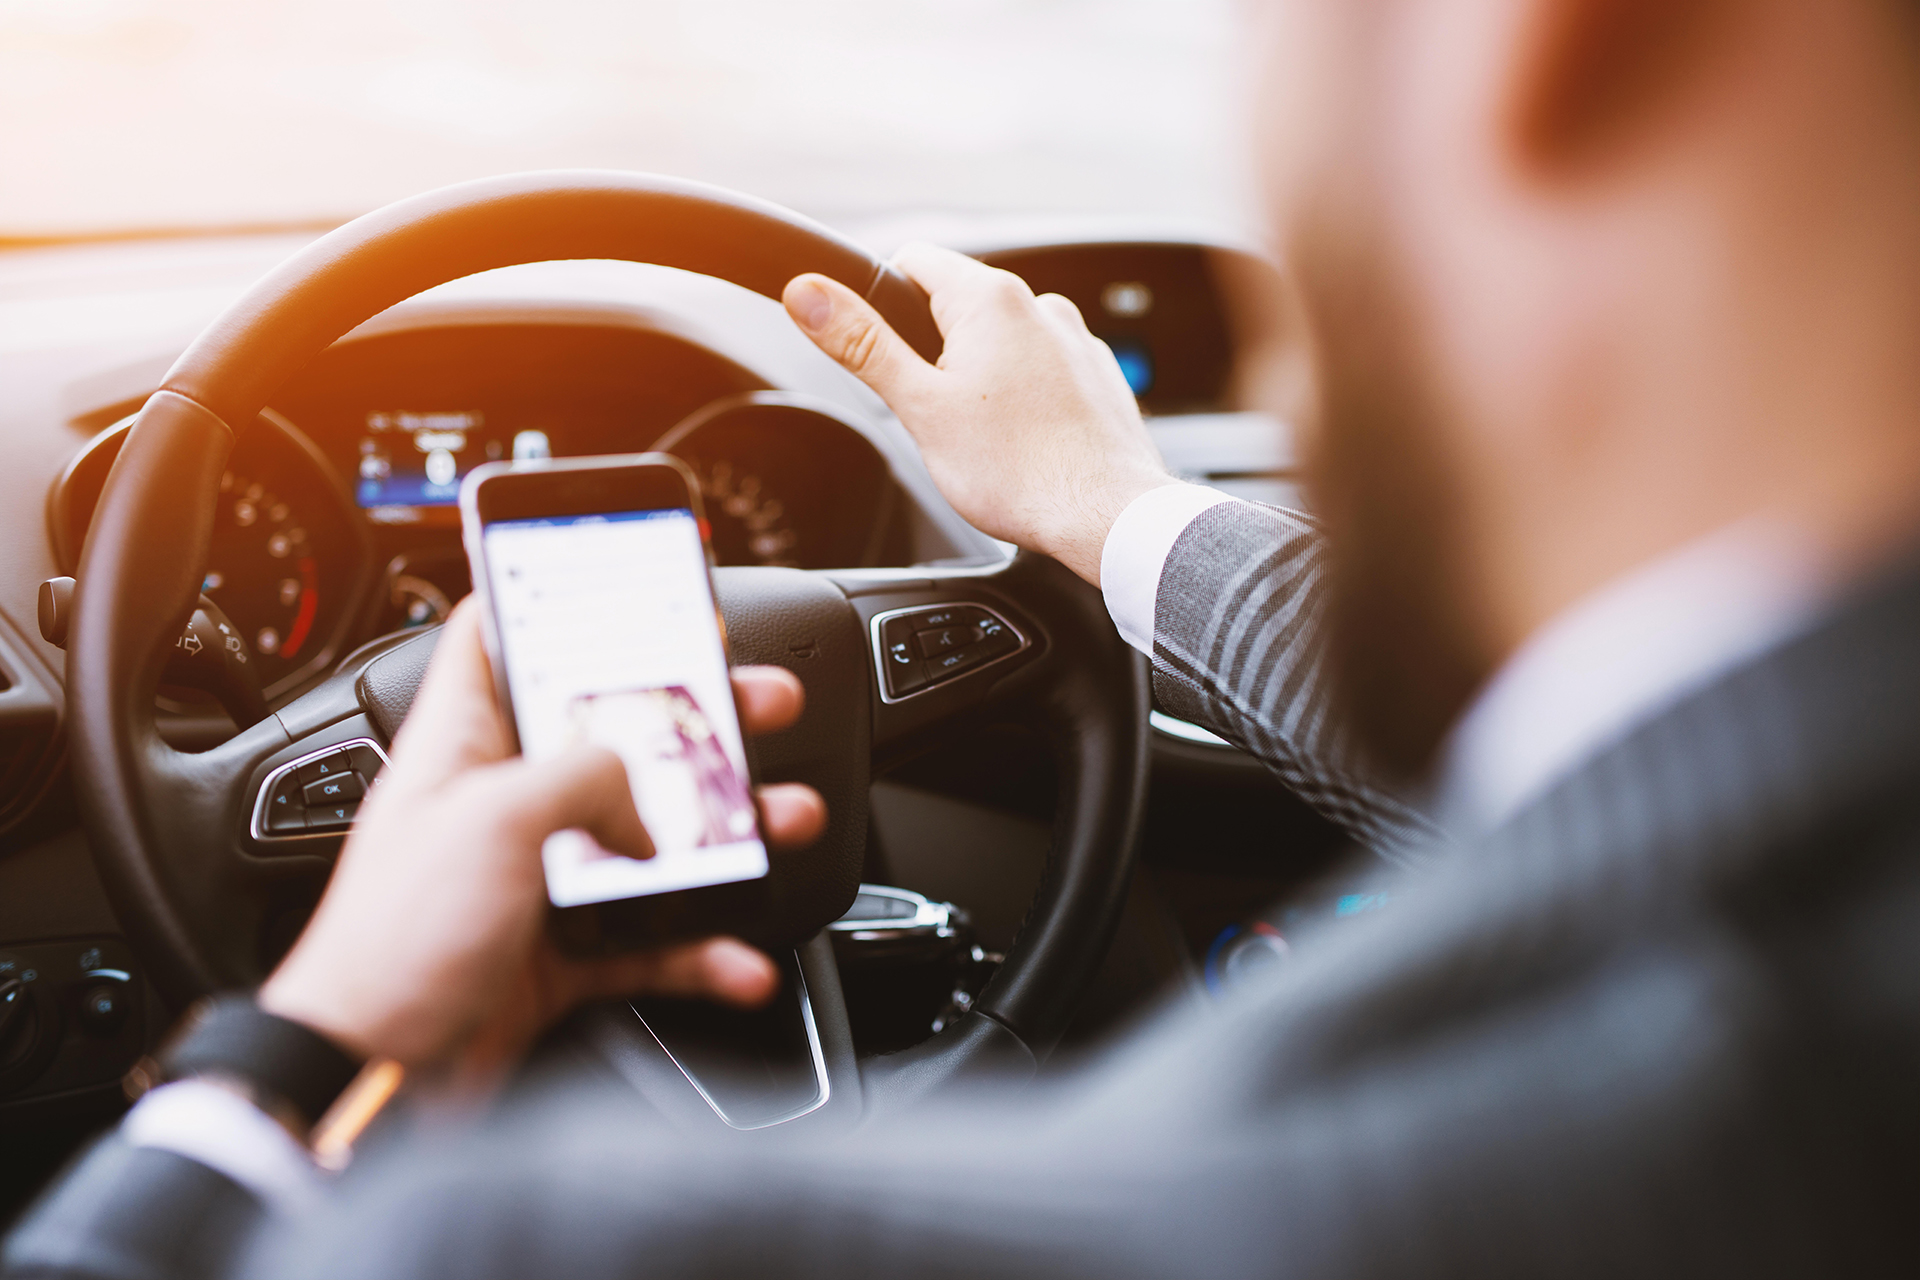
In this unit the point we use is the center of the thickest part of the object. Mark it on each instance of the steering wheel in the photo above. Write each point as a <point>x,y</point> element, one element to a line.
<point>210,904</point>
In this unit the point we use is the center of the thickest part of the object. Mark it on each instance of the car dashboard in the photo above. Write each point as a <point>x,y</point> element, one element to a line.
<point>336,526</point>
<point>337,518</point>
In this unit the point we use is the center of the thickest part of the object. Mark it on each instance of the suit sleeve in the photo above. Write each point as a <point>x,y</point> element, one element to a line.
<point>175,1191</point>
<point>130,1212</point>
<point>1239,646</point>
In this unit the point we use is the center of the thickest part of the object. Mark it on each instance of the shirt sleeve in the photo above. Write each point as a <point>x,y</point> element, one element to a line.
<point>1136,550</point>
<point>223,1131</point>
<point>1239,646</point>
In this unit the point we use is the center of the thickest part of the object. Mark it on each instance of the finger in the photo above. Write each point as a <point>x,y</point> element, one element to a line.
<point>584,788</point>
<point>1063,310</point>
<point>957,285</point>
<point>723,969</point>
<point>769,698</point>
<point>942,271</point>
<point>455,722</point>
<point>846,327</point>
<point>792,814</point>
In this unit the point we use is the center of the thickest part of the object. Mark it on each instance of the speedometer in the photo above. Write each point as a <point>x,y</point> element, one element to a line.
<point>748,516</point>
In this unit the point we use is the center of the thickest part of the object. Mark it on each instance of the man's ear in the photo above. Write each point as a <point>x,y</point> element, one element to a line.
<point>1589,74</point>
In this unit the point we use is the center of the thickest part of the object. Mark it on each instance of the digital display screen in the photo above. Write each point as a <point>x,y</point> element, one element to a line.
<point>417,459</point>
<point>608,629</point>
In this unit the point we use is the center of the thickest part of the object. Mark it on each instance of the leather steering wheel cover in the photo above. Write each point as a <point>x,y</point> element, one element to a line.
<point>1091,705</point>
<point>139,577</point>
<point>353,273</point>
<point>141,567</point>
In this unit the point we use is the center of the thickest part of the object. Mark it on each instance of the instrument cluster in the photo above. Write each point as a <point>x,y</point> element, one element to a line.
<point>320,544</point>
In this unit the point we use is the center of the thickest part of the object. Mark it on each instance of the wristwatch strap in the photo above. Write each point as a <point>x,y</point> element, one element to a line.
<point>281,1060</point>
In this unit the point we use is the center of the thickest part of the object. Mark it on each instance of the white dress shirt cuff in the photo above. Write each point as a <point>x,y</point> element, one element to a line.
<point>223,1131</point>
<point>1136,550</point>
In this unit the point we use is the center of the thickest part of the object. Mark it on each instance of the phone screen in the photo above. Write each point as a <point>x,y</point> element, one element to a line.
<point>608,630</point>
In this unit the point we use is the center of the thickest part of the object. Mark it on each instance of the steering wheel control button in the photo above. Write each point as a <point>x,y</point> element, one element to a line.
<point>332,817</point>
<point>997,637</point>
<point>286,808</point>
<point>952,664</point>
<point>916,649</point>
<point>943,640</point>
<point>336,790</point>
<point>904,672</point>
<point>316,796</point>
<point>907,676</point>
<point>326,766</point>
<point>367,762</point>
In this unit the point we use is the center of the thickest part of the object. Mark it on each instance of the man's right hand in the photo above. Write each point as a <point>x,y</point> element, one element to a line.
<point>1027,424</point>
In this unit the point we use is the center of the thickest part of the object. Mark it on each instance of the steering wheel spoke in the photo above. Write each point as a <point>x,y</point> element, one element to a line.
<point>1062,670</point>
<point>942,652</point>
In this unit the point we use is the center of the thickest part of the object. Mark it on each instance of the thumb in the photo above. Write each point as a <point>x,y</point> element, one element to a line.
<point>584,788</point>
<point>846,327</point>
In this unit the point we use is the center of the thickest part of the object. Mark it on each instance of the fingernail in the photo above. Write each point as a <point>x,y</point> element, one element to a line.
<point>812,305</point>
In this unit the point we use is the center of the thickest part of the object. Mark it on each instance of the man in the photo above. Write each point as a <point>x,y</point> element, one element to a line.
<point>1619,465</point>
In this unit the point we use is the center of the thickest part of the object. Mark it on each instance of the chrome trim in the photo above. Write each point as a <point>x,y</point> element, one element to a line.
<point>110,975</point>
<point>820,1079</point>
<point>879,654</point>
<point>924,917</point>
<point>257,830</point>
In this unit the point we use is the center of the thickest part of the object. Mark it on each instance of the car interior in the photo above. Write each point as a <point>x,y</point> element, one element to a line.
<point>1015,830</point>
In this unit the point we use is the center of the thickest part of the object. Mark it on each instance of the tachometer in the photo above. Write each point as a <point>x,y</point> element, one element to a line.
<point>289,559</point>
<point>786,481</point>
<point>262,568</point>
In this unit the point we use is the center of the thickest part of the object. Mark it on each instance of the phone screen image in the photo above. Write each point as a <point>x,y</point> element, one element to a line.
<point>607,628</point>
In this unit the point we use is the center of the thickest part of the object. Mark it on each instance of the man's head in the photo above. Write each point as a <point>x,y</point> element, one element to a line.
<point>1588,279</point>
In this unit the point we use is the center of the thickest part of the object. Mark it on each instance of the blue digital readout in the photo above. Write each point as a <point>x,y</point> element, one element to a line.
<point>416,459</point>
<point>403,490</point>
<point>1136,363</point>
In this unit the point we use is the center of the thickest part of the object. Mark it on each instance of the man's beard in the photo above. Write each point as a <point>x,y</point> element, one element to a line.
<point>1403,649</point>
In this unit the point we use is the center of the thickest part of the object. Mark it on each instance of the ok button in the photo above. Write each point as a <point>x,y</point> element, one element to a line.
<point>336,790</point>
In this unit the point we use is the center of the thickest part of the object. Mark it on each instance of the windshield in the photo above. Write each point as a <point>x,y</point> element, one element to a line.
<point>152,115</point>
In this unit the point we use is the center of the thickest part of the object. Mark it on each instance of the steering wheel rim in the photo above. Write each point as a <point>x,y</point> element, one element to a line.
<point>146,805</point>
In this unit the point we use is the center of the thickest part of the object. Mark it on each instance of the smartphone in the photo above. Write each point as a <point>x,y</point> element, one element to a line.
<point>602,626</point>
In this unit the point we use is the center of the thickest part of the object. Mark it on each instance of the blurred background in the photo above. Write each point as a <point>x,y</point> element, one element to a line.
<point>124,116</point>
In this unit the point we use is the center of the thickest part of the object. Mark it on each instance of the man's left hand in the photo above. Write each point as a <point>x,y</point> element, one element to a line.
<point>430,945</point>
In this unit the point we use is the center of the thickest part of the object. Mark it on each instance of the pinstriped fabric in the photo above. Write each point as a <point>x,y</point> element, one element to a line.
<point>1664,1024</point>
<point>1238,647</point>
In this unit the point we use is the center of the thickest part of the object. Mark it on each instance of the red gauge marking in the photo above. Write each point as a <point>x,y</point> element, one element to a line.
<point>309,605</point>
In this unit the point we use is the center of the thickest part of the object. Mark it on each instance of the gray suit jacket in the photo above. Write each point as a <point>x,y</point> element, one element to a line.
<point>1666,1022</point>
